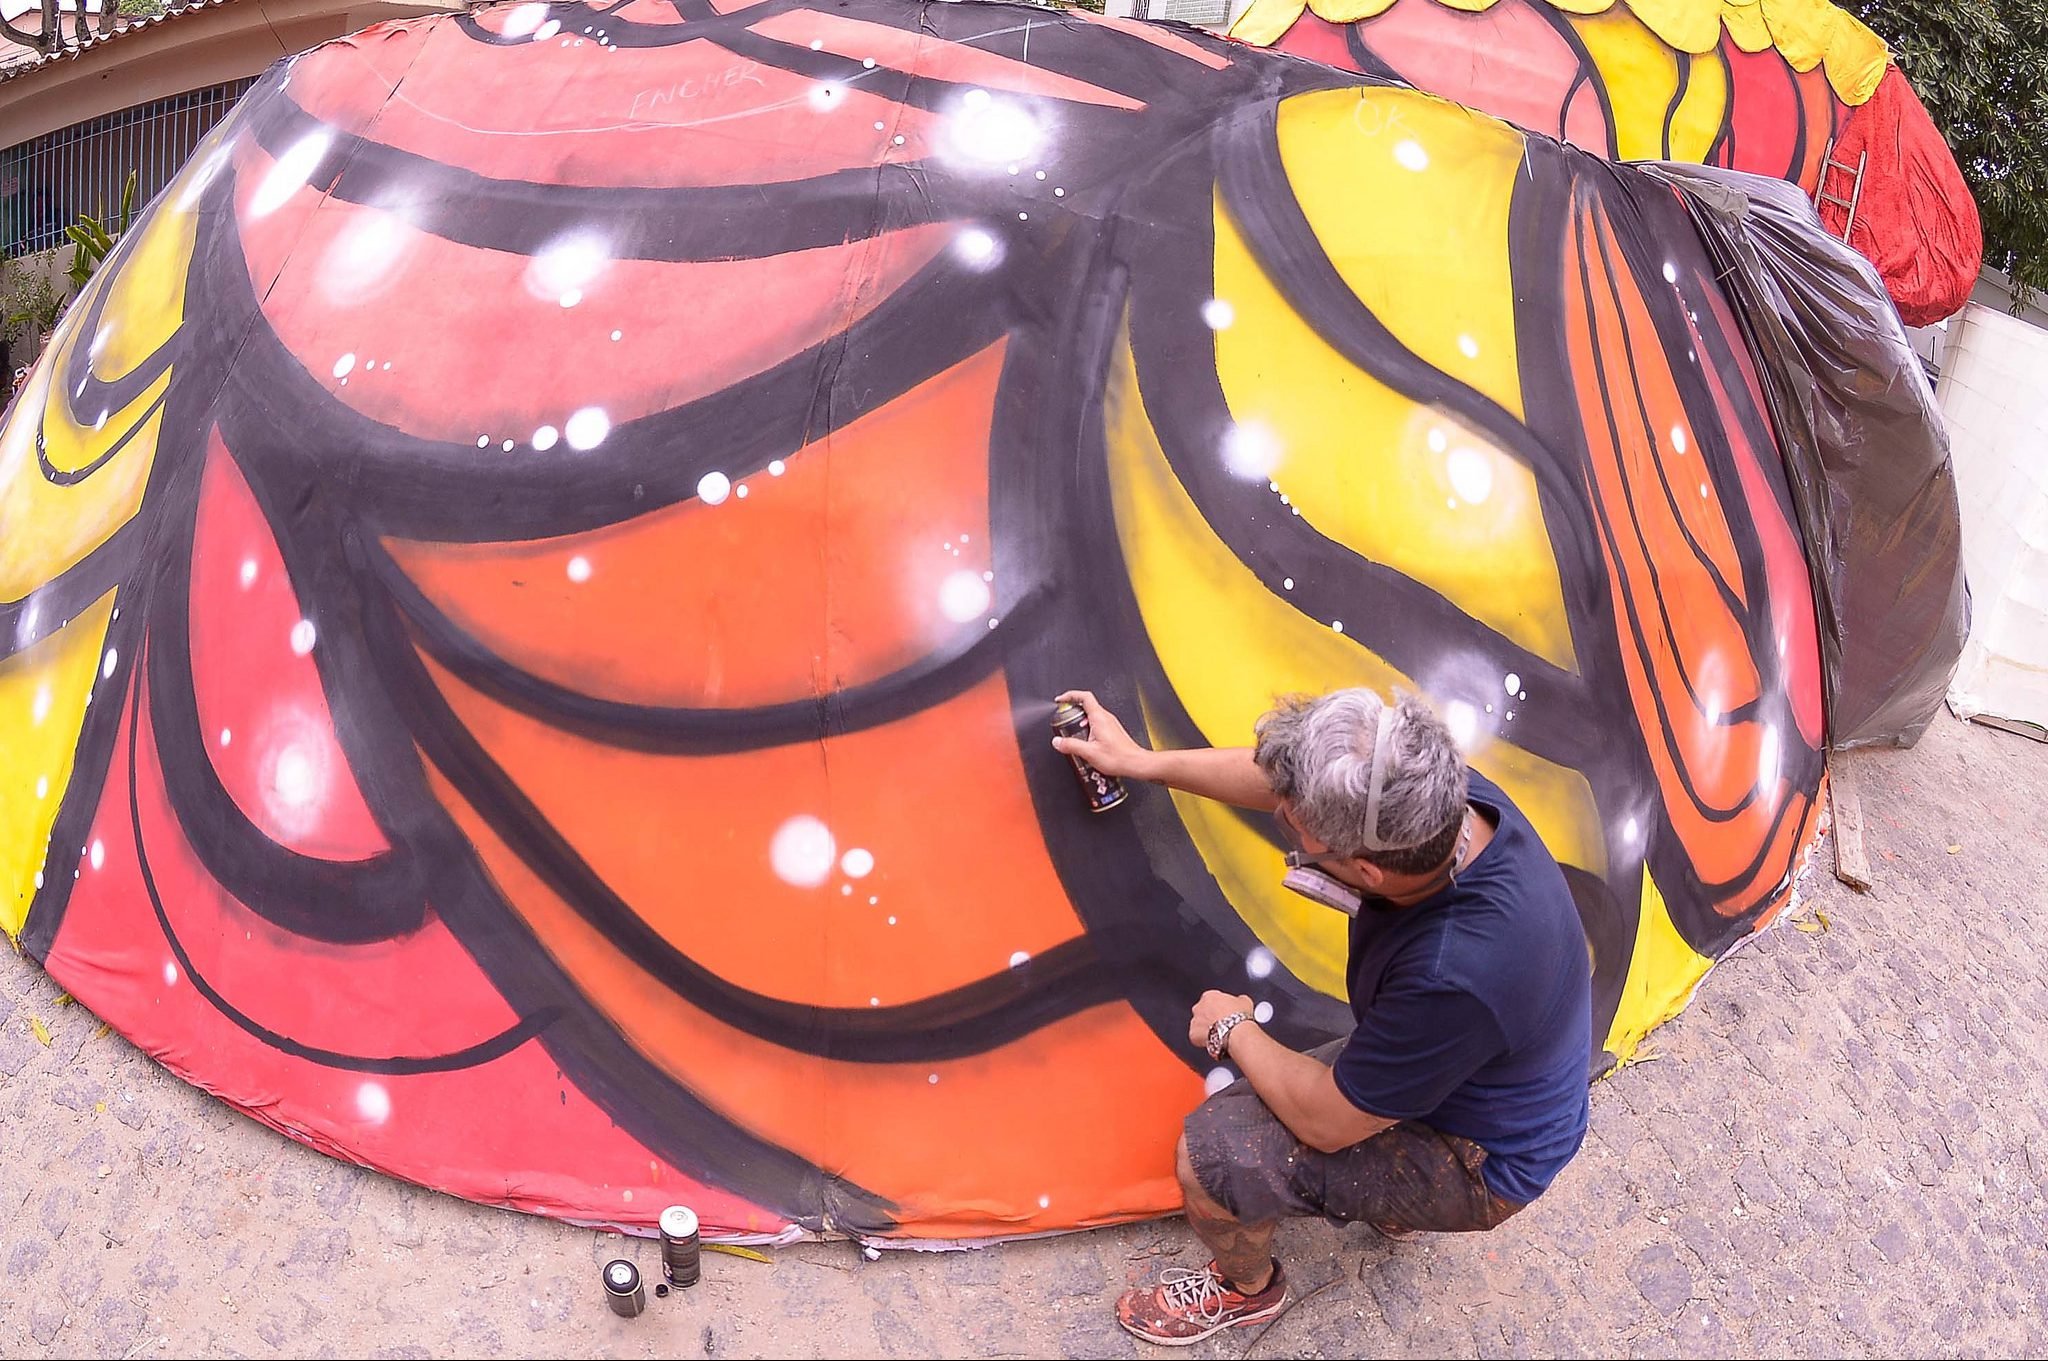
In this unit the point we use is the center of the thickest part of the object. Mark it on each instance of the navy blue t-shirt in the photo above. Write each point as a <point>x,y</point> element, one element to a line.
<point>1474,1008</point>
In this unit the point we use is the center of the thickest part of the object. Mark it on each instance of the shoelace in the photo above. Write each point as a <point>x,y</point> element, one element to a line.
<point>1197,1289</point>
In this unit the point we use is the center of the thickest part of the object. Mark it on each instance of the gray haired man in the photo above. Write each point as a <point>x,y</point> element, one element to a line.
<point>1461,1092</point>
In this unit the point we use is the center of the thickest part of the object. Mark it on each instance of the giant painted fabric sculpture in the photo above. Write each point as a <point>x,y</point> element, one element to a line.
<point>1773,87</point>
<point>532,585</point>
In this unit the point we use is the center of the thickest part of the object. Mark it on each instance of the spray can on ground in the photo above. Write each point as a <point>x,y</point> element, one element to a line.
<point>622,1290</point>
<point>1103,792</point>
<point>681,1261</point>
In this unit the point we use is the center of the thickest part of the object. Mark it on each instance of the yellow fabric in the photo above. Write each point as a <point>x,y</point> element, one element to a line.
<point>1805,32</point>
<point>1640,74</point>
<point>1662,973</point>
<point>44,527</point>
<point>1697,121</point>
<point>1228,645</point>
<point>1367,467</point>
<point>43,689</point>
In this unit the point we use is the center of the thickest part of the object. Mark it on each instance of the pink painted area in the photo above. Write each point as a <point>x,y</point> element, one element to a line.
<point>1507,61</point>
<point>263,714</point>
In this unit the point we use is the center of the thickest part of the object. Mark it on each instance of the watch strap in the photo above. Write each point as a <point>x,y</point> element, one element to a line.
<point>1219,1033</point>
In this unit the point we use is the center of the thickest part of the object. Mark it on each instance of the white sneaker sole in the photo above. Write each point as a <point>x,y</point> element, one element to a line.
<point>1245,1320</point>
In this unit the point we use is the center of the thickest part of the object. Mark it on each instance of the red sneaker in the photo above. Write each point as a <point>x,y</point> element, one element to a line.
<point>1187,1306</point>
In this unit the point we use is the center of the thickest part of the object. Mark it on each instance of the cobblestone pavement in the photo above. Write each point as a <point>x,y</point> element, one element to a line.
<point>1838,1150</point>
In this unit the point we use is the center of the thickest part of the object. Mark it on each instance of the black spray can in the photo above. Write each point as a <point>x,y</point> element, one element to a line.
<point>1103,792</point>
<point>622,1289</point>
<point>681,1261</point>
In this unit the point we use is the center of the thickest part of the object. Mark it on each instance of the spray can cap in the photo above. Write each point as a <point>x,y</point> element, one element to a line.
<point>678,1221</point>
<point>1066,711</point>
<point>621,1275</point>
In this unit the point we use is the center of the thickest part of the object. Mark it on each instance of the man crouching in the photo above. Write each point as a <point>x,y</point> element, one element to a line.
<point>1463,1089</point>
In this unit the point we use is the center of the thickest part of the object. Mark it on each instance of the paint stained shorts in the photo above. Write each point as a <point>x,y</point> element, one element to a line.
<point>1406,1177</point>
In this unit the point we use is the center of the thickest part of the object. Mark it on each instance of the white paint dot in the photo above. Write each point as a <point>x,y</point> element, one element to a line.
<point>98,855</point>
<point>817,44</point>
<point>1468,347</point>
<point>483,441</point>
<point>618,335</point>
<point>1059,193</point>
<point>857,863</point>
<point>872,900</point>
<point>846,890</point>
<point>345,365</point>
<point>248,573</point>
<point>1023,217</point>
<point>963,595</point>
<point>1216,1079</point>
<point>226,737</point>
<point>42,786</point>
<point>170,974</point>
<point>776,467</point>
<point>587,428</point>
<point>1704,492</point>
<point>933,1079</point>
<point>892,921</point>
<point>1511,683</point>
<point>1670,272</point>
<point>508,446</point>
<point>1287,583</point>
<point>874,1001</point>
<point>1260,962</point>
<point>570,297</point>
<point>1217,314</point>
<point>1438,439</point>
<point>1470,472</point>
<point>1410,154</point>
<point>802,851</point>
<point>373,1103</point>
<point>713,488</point>
<point>1263,1012</point>
<point>579,568</point>
<point>302,637</point>
<point>545,437</point>
<point>108,663</point>
<point>740,490</point>
<point>1020,958</point>
<point>977,247</point>
<point>1250,451</point>
<point>1337,624</point>
<point>1678,438</point>
<point>1045,1202</point>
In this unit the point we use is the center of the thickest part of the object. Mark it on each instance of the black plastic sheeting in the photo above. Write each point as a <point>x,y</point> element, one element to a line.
<point>1864,449</point>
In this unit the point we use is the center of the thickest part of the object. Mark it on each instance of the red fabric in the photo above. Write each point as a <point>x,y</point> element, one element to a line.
<point>1916,219</point>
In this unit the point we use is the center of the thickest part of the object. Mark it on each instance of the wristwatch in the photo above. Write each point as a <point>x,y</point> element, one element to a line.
<point>1219,1034</point>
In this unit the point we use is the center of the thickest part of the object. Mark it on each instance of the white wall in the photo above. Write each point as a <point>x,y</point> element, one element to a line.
<point>1994,397</point>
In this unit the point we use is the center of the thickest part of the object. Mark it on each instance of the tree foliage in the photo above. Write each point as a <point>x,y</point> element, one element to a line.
<point>1981,68</point>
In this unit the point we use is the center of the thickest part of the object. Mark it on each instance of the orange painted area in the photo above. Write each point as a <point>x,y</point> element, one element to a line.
<point>685,329</point>
<point>1014,1140</point>
<point>922,52</point>
<point>936,802</point>
<point>1708,767</point>
<point>569,110</point>
<point>832,573</point>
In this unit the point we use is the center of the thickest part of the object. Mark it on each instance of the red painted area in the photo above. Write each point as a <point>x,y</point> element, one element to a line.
<point>1764,113</point>
<point>359,290</point>
<point>510,1132</point>
<point>263,714</point>
<point>922,52</point>
<point>1507,61</point>
<point>1317,39</point>
<point>568,110</point>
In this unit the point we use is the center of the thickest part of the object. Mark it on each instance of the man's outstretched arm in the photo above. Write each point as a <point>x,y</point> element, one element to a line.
<point>1227,774</point>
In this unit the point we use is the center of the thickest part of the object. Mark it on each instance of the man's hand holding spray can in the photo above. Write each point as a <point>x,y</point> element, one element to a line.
<point>1074,734</point>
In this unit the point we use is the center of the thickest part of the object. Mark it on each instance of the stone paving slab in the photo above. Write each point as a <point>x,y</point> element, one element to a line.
<point>1838,1150</point>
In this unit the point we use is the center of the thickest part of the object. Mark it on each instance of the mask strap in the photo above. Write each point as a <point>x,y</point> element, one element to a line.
<point>1382,738</point>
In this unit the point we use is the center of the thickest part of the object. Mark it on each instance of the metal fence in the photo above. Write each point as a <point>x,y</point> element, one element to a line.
<point>46,183</point>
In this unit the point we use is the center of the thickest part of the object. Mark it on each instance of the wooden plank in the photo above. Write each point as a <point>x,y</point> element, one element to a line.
<point>1851,866</point>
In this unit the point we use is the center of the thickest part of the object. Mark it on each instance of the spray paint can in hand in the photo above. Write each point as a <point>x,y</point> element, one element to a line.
<point>622,1289</point>
<point>1103,792</point>
<point>680,1259</point>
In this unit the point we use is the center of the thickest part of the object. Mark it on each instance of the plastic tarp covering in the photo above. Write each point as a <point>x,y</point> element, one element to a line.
<point>1863,445</point>
<point>532,584</point>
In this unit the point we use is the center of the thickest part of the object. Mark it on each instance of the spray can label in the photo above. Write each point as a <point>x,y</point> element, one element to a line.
<point>1103,792</point>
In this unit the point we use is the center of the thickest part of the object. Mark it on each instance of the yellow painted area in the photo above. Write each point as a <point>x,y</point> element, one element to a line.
<point>147,301</point>
<point>1381,474</point>
<point>1662,973</point>
<point>43,690</point>
<point>1697,120</point>
<point>1408,195</point>
<point>1806,32</point>
<point>1229,647</point>
<point>1640,74</point>
<point>46,528</point>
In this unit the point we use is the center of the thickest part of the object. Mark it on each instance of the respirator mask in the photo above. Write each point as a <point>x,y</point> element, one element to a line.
<point>1305,872</point>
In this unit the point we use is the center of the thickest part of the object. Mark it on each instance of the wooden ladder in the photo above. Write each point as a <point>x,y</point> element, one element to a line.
<point>1855,173</point>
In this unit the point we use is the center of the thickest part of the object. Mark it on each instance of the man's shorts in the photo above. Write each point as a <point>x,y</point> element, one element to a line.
<point>1407,1177</point>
